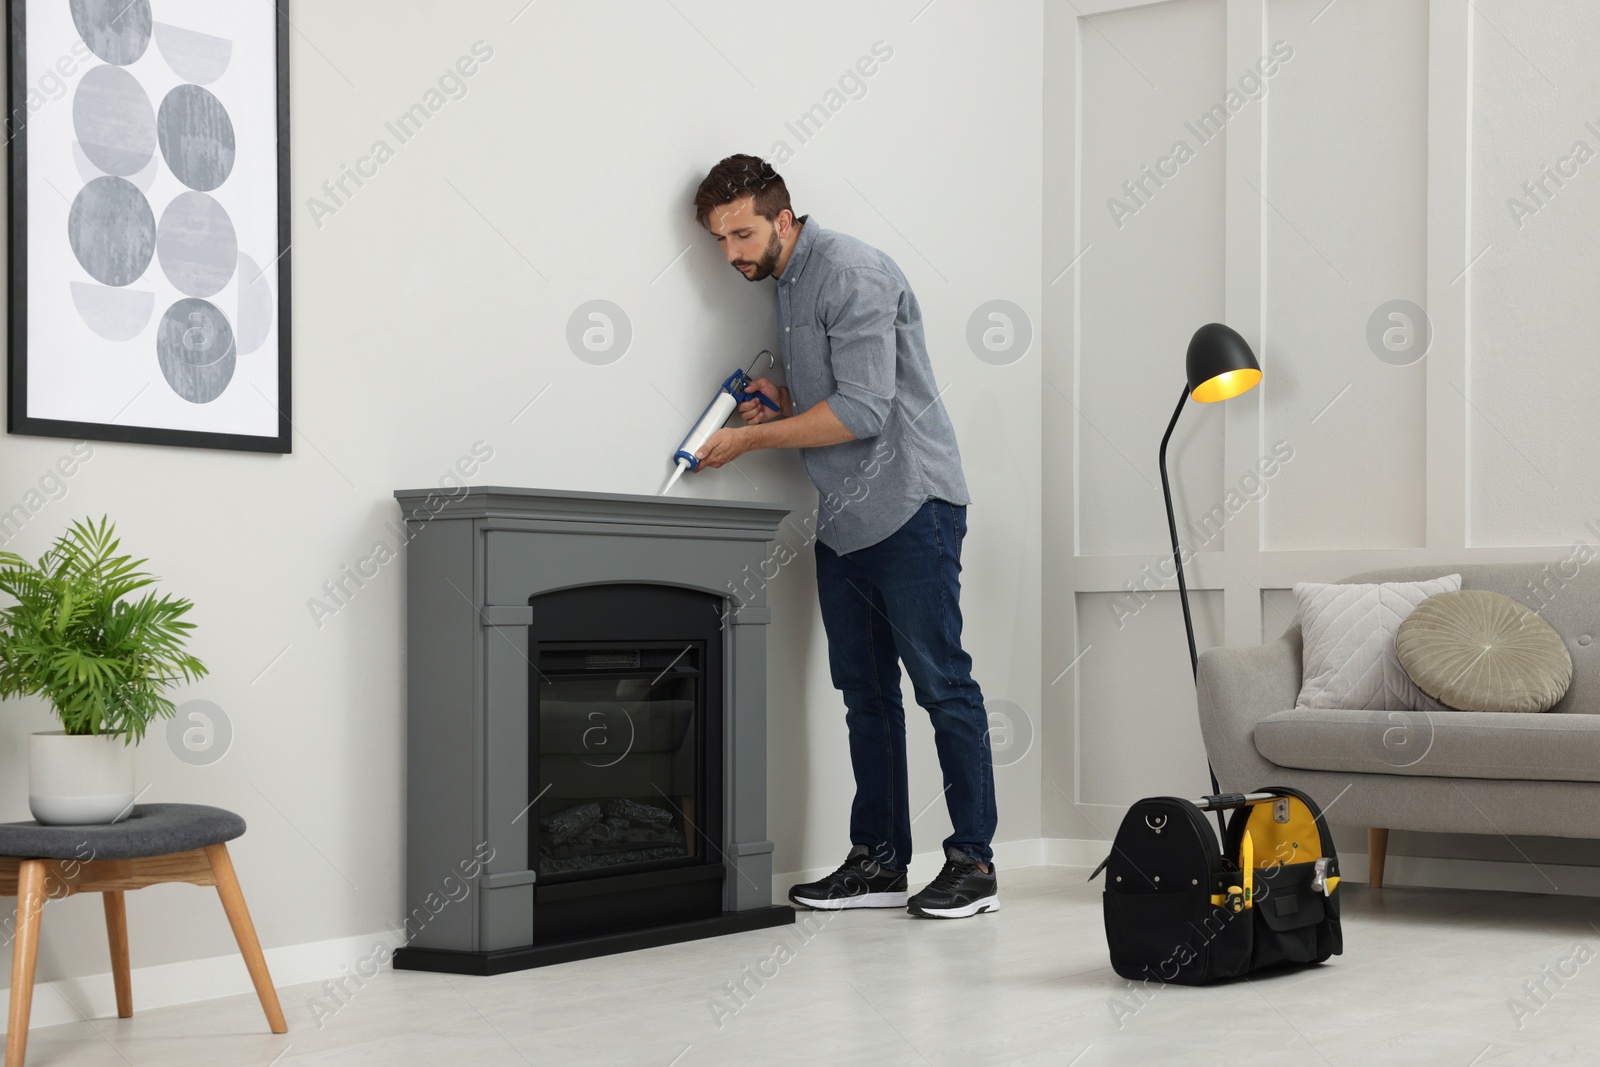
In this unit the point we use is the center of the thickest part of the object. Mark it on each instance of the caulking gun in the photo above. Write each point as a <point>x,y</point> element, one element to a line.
<point>733,392</point>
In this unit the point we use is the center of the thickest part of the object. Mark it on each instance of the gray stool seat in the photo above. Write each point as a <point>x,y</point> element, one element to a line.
<point>148,830</point>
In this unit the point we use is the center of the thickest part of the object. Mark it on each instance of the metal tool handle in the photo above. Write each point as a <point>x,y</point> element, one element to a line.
<point>1224,801</point>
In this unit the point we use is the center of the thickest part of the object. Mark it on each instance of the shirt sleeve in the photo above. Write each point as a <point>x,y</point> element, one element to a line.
<point>859,308</point>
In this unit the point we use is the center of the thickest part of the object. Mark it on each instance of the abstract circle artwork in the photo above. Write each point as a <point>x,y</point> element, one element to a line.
<point>194,344</point>
<point>150,222</point>
<point>118,31</point>
<point>196,244</point>
<point>112,230</point>
<point>115,124</point>
<point>196,137</point>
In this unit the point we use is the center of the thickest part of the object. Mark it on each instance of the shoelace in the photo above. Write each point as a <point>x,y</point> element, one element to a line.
<point>859,865</point>
<point>951,874</point>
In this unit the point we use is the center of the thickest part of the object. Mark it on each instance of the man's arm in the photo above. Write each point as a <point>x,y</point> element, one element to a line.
<point>813,428</point>
<point>862,308</point>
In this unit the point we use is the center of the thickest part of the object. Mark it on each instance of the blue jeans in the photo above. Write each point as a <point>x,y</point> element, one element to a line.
<point>900,600</point>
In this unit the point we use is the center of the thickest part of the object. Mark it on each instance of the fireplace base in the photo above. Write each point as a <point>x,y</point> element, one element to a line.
<point>502,961</point>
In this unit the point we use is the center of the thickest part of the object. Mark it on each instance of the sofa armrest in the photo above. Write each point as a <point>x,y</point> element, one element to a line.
<point>1237,687</point>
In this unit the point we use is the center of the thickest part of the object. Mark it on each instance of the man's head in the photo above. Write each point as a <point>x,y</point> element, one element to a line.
<point>745,205</point>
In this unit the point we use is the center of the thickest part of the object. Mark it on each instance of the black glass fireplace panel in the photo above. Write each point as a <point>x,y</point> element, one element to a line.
<point>620,756</point>
<point>626,757</point>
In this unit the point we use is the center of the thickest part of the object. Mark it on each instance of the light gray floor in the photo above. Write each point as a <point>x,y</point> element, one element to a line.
<point>1427,978</point>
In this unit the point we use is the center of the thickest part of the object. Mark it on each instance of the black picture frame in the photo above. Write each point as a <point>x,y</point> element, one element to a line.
<point>18,420</point>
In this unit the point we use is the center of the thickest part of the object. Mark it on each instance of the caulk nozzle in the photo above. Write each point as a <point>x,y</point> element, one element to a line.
<point>683,465</point>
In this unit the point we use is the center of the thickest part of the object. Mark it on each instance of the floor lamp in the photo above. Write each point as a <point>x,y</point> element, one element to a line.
<point>1220,366</point>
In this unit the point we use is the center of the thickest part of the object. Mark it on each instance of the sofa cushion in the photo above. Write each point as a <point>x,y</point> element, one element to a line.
<point>1348,632</point>
<point>1563,592</point>
<point>1476,650</point>
<point>1440,744</point>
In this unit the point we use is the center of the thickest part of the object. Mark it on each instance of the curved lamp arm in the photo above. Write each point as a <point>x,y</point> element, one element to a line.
<point>1183,588</point>
<point>1172,527</point>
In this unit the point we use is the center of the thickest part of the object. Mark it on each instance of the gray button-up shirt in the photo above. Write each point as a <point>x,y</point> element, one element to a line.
<point>850,333</point>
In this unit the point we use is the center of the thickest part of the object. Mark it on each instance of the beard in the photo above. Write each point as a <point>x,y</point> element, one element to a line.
<point>766,264</point>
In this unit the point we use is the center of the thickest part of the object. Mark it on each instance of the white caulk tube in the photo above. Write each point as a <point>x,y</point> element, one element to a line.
<point>711,420</point>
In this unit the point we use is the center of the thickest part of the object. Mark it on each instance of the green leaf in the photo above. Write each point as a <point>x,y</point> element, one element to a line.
<point>101,661</point>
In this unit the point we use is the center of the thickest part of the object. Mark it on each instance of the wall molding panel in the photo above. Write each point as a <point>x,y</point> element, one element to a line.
<point>1354,180</point>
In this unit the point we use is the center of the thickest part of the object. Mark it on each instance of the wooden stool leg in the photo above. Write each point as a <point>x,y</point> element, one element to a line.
<point>25,954</point>
<point>1377,846</point>
<point>117,934</point>
<point>244,932</point>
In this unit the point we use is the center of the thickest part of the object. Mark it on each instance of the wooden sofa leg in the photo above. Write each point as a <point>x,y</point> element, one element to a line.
<point>117,935</point>
<point>24,955</point>
<point>1377,846</point>
<point>244,932</point>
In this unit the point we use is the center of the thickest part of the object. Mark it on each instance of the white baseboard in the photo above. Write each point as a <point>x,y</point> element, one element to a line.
<point>68,1000</point>
<point>65,1000</point>
<point>1074,852</point>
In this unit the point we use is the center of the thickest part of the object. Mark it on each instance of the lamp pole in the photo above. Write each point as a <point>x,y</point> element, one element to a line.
<point>1177,552</point>
<point>1183,588</point>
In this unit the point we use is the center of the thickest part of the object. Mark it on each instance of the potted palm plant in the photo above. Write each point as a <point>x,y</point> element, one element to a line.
<point>100,660</point>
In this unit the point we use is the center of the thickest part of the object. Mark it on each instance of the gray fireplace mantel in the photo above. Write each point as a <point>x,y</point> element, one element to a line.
<point>474,557</point>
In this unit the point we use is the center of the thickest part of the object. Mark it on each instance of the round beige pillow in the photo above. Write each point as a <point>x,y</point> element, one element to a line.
<point>1474,650</point>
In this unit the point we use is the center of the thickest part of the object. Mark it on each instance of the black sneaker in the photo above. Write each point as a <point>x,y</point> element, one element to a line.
<point>961,889</point>
<point>858,883</point>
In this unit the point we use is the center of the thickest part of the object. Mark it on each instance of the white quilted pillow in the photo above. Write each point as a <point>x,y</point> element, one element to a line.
<point>1348,631</point>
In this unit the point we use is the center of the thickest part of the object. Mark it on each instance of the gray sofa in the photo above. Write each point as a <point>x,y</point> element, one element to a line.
<point>1450,771</point>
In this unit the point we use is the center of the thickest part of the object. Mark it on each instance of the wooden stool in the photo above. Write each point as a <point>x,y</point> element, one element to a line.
<point>155,843</point>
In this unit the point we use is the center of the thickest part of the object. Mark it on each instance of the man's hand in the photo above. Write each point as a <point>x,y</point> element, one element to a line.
<point>754,411</point>
<point>817,427</point>
<point>726,445</point>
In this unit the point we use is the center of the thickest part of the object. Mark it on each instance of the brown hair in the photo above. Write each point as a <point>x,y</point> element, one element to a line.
<point>740,176</point>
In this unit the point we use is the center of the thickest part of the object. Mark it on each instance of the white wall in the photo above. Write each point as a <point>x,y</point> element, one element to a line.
<point>431,308</point>
<point>1377,165</point>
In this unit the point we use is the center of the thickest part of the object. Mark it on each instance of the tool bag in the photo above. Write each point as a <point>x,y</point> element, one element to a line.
<point>1181,908</point>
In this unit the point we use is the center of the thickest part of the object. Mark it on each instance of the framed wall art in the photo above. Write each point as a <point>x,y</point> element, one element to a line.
<point>149,219</point>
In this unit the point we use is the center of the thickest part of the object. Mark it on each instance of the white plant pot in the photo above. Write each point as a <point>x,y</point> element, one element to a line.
<point>79,780</point>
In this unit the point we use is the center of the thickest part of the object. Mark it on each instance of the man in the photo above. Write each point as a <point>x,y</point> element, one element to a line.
<point>863,409</point>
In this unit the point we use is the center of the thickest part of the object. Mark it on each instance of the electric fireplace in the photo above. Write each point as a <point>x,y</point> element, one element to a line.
<point>586,725</point>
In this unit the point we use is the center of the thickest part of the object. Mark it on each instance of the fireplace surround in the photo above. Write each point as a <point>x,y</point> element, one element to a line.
<point>586,708</point>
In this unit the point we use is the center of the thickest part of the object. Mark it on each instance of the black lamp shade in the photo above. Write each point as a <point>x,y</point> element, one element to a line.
<point>1220,364</point>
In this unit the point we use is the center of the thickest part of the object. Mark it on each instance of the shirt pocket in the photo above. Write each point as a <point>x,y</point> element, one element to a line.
<point>802,337</point>
<point>805,364</point>
<point>807,343</point>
